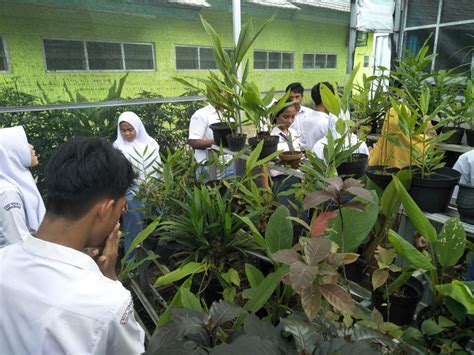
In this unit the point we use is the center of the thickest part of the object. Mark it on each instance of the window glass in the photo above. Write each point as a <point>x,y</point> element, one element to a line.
<point>206,56</point>
<point>138,56</point>
<point>457,10</point>
<point>455,47</point>
<point>287,61</point>
<point>187,58</point>
<point>331,61</point>
<point>366,61</point>
<point>64,55</point>
<point>414,39</point>
<point>259,60</point>
<point>308,61</point>
<point>104,56</point>
<point>274,60</point>
<point>320,61</point>
<point>3,56</point>
<point>422,12</point>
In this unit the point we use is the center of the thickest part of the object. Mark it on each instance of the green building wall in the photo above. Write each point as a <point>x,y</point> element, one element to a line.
<point>360,53</point>
<point>25,25</point>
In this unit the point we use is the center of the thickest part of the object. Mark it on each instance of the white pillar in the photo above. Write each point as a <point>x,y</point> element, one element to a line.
<point>236,25</point>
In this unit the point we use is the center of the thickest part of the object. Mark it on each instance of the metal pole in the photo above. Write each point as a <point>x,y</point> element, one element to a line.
<point>236,25</point>
<point>352,38</point>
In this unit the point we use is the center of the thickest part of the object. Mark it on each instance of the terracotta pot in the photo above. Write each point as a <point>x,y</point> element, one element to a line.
<point>291,158</point>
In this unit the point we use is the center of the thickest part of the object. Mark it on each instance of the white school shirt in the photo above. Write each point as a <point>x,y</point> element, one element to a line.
<point>199,128</point>
<point>465,165</point>
<point>55,300</point>
<point>311,126</point>
<point>13,223</point>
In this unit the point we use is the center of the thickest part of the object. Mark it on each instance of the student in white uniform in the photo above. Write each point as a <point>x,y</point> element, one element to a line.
<point>21,206</point>
<point>201,137</point>
<point>465,165</point>
<point>351,139</point>
<point>310,125</point>
<point>54,298</point>
<point>143,152</point>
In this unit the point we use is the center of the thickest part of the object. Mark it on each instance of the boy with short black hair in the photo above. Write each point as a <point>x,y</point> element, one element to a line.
<point>54,298</point>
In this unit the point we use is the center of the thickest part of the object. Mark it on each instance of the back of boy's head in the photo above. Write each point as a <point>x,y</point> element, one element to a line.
<point>297,88</point>
<point>316,92</point>
<point>83,171</point>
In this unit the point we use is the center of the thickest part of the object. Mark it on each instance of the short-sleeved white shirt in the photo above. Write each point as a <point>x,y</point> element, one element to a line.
<point>13,223</point>
<point>199,128</point>
<point>318,148</point>
<point>55,300</point>
<point>283,144</point>
<point>311,126</point>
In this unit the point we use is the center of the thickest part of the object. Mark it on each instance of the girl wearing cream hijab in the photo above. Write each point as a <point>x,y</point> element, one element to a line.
<point>135,143</point>
<point>21,206</point>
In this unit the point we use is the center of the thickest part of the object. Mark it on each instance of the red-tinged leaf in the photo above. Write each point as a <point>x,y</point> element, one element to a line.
<point>302,275</point>
<point>351,182</point>
<point>311,301</point>
<point>316,198</point>
<point>379,277</point>
<point>362,193</point>
<point>355,205</point>
<point>335,181</point>
<point>349,258</point>
<point>316,250</point>
<point>338,298</point>
<point>287,256</point>
<point>321,223</point>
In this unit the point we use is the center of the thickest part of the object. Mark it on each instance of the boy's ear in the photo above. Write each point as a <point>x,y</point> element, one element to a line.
<point>105,206</point>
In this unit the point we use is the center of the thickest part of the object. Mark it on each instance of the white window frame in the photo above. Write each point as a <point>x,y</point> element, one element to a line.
<point>3,39</point>
<point>281,57</point>
<point>314,59</point>
<point>86,56</point>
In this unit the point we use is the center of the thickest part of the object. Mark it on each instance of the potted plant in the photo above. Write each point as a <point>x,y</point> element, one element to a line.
<point>432,184</point>
<point>291,157</point>
<point>225,91</point>
<point>465,203</point>
<point>355,164</point>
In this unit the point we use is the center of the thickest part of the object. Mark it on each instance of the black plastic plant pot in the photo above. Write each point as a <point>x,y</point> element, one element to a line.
<point>433,193</point>
<point>381,175</point>
<point>220,131</point>
<point>456,137</point>
<point>465,202</point>
<point>354,168</point>
<point>356,271</point>
<point>402,303</point>
<point>470,137</point>
<point>270,144</point>
<point>236,143</point>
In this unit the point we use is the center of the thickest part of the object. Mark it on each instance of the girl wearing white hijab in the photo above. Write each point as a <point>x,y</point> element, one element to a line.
<point>21,206</point>
<point>140,149</point>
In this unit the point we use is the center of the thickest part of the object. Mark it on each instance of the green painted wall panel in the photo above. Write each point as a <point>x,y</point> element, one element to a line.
<point>24,26</point>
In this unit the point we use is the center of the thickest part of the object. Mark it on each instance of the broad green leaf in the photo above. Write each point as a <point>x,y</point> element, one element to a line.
<point>231,277</point>
<point>430,327</point>
<point>254,275</point>
<point>222,312</point>
<point>190,300</point>
<point>350,231</point>
<point>279,232</point>
<point>178,274</point>
<point>416,216</point>
<point>255,233</point>
<point>330,100</point>
<point>449,246</point>
<point>229,294</point>
<point>144,234</point>
<point>265,290</point>
<point>460,292</point>
<point>379,277</point>
<point>409,252</point>
<point>175,302</point>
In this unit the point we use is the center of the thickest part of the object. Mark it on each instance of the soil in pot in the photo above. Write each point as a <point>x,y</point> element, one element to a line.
<point>402,302</point>
<point>456,137</point>
<point>291,158</point>
<point>465,202</point>
<point>433,193</point>
<point>236,143</point>
<point>220,131</point>
<point>381,175</point>
<point>270,144</point>
<point>355,167</point>
<point>470,137</point>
